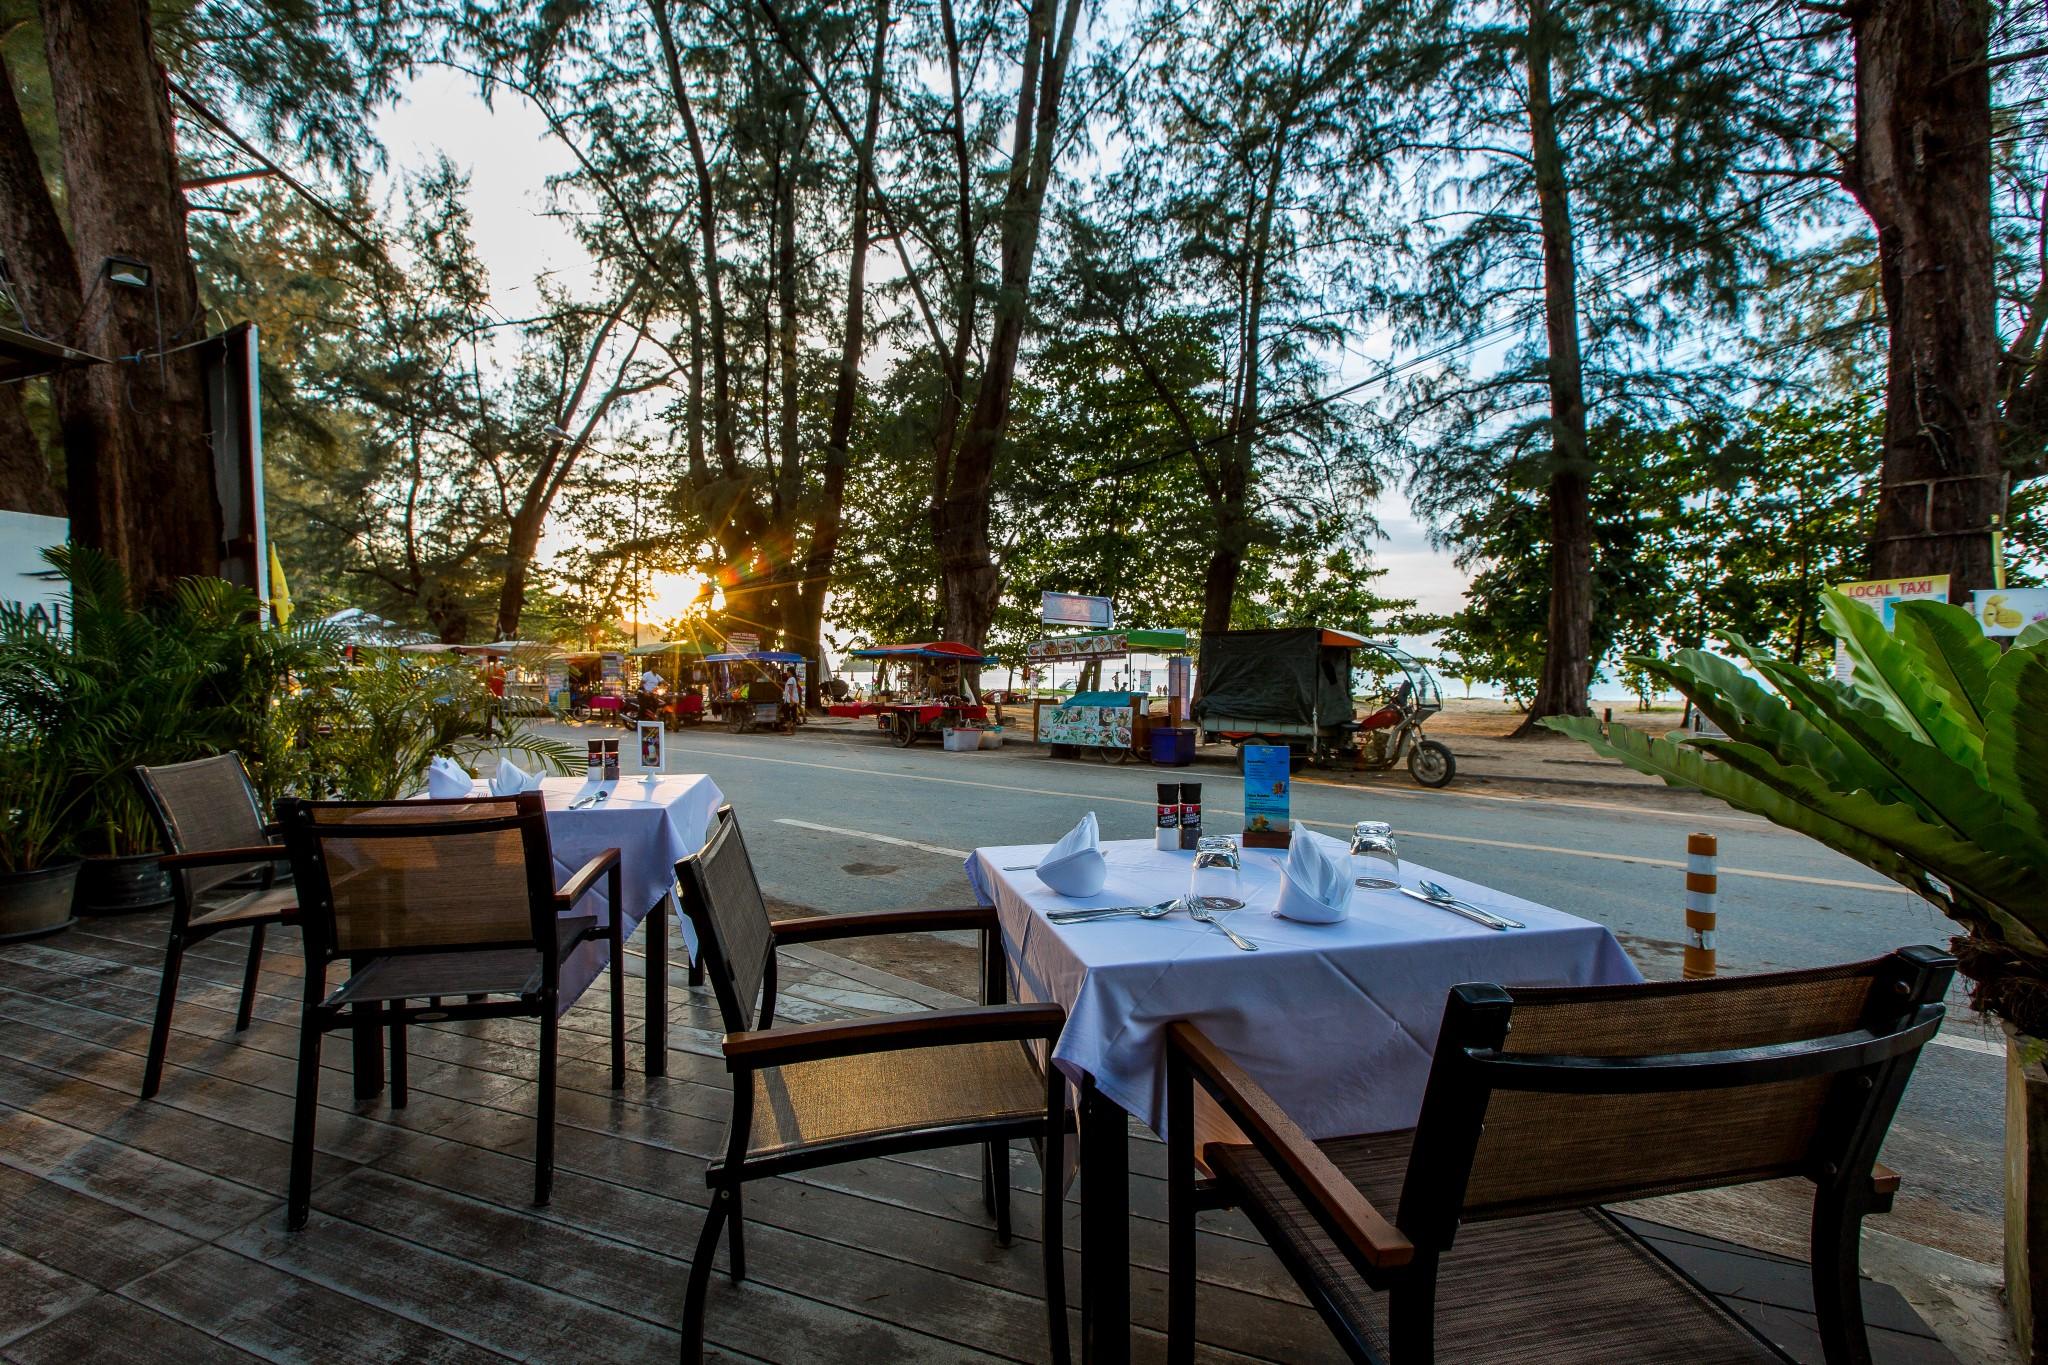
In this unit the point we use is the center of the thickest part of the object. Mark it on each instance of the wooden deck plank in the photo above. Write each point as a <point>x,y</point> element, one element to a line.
<point>118,1331</point>
<point>79,1235</point>
<point>33,1294</point>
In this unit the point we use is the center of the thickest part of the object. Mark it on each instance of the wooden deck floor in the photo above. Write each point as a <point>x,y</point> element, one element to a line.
<point>155,1231</point>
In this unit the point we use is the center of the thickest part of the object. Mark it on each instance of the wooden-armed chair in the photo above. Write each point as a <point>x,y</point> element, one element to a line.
<point>212,832</point>
<point>811,1095</point>
<point>1542,1105</point>
<point>450,903</point>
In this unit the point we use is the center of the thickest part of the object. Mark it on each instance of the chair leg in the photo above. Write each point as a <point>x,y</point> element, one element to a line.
<point>700,1279</point>
<point>249,978</point>
<point>1053,1239</point>
<point>160,1032</point>
<point>1181,1285</point>
<point>544,1134</point>
<point>618,972</point>
<point>697,968</point>
<point>988,1179</point>
<point>1411,1313</point>
<point>305,1107</point>
<point>398,1054</point>
<point>1837,1282</point>
<point>998,1171</point>
<point>736,1247</point>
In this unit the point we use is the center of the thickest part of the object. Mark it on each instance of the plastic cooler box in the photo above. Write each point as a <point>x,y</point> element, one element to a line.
<point>1172,748</point>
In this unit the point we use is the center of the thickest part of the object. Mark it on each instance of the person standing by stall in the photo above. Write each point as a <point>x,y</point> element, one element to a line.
<point>792,699</point>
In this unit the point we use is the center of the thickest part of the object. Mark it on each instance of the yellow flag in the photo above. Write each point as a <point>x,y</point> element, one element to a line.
<point>280,591</point>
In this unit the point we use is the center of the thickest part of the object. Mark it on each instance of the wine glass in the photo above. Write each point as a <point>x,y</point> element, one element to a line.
<point>1216,883</point>
<point>1375,862</point>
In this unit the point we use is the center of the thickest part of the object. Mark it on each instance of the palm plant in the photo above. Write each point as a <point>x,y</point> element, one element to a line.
<point>372,730</point>
<point>1929,765</point>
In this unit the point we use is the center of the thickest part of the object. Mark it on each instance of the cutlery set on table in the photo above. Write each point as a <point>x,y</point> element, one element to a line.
<point>1316,887</point>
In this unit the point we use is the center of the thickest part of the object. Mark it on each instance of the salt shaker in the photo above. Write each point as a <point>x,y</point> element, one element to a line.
<point>1167,834</point>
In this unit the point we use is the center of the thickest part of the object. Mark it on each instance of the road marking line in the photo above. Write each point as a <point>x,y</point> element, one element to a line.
<point>1882,888</point>
<point>939,849</point>
<point>1967,1044</point>
<point>1743,821</point>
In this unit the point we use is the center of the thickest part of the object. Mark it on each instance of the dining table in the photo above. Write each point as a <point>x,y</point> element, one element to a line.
<point>655,820</point>
<point>1337,1021</point>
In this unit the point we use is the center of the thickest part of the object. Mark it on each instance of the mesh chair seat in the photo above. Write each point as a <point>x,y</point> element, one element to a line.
<point>419,976</point>
<point>265,906</point>
<point>876,1094</point>
<point>1570,1286</point>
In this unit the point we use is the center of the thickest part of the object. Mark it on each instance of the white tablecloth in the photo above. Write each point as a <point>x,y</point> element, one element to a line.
<point>654,825</point>
<point>1337,1021</point>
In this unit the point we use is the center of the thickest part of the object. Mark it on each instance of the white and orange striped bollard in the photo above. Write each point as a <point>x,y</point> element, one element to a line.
<point>1702,888</point>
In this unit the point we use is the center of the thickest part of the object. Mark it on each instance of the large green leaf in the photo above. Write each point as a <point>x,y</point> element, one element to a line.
<point>1952,647</point>
<point>1888,670</point>
<point>2016,745</point>
<point>1738,704</point>
<point>2034,634</point>
<point>1887,837</point>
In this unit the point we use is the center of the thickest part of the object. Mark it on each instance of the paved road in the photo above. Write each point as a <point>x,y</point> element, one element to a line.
<point>844,821</point>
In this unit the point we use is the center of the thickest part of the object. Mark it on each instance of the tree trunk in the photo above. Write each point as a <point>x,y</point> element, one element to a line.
<point>139,463</point>
<point>961,525</point>
<point>25,483</point>
<point>825,527</point>
<point>1922,171</point>
<point>45,285</point>
<point>1564,684</point>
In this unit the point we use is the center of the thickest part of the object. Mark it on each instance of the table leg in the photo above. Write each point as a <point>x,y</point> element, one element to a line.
<point>1105,1229</point>
<point>657,986</point>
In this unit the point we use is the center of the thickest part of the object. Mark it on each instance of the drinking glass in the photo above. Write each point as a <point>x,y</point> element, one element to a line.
<point>1375,863</point>
<point>1215,883</point>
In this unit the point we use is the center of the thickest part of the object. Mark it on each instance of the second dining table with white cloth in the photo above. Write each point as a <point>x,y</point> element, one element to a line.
<point>654,823</point>
<point>1338,1022</point>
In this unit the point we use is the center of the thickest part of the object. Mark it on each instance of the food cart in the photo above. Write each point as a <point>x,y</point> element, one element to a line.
<point>746,688</point>
<point>1114,724</point>
<point>937,690</point>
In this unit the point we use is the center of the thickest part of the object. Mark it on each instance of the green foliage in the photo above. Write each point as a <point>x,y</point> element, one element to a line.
<point>371,731</point>
<point>1925,767</point>
<point>191,676</point>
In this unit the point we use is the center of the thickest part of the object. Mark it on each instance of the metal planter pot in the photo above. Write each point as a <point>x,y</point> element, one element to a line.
<point>126,885</point>
<point>36,903</point>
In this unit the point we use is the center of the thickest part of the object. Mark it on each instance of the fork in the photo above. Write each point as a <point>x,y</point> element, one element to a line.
<point>1208,917</point>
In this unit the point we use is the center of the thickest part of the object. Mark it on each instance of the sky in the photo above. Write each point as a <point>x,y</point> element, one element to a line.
<point>506,150</point>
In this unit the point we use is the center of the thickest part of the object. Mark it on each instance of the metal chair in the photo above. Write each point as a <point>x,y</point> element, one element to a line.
<point>811,1095</point>
<point>439,901</point>
<point>213,832</point>
<point>1497,1250</point>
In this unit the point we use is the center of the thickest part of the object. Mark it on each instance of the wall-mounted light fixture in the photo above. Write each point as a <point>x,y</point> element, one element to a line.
<point>127,271</point>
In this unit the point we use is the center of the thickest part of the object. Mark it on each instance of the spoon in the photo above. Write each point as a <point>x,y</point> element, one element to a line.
<point>1439,892</point>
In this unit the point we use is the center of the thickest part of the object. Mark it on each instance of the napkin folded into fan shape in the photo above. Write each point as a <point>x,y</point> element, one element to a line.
<point>1316,887</point>
<point>1075,866</point>
<point>513,779</point>
<point>448,780</point>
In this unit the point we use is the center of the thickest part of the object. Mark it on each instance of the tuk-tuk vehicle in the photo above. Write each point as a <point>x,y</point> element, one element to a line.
<point>1407,695</point>
<point>1295,687</point>
<point>937,691</point>
<point>746,689</point>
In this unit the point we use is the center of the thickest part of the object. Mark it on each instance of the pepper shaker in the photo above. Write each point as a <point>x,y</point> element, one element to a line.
<point>1190,814</point>
<point>1167,835</point>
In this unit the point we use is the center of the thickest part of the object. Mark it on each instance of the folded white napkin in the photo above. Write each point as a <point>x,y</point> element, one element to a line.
<point>1316,887</point>
<point>512,779</point>
<point>447,779</point>
<point>1075,866</point>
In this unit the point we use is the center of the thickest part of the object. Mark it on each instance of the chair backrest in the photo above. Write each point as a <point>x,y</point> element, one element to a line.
<point>202,805</point>
<point>405,876</point>
<point>1547,1099</point>
<point>723,900</point>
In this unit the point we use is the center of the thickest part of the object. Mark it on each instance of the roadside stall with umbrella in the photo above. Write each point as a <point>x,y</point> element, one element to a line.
<point>680,664</point>
<point>924,688</point>
<point>1114,723</point>
<point>746,688</point>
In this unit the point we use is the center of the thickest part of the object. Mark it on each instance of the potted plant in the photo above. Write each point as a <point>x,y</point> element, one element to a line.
<point>1930,766</point>
<point>38,871</point>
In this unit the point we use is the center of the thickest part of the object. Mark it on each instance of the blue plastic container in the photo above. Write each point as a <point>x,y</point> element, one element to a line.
<point>1172,748</point>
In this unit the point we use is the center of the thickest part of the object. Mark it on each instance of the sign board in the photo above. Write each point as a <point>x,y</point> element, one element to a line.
<point>1078,647</point>
<point>653,746</point>
<point>1089,727</point>
<point>1180,677</point>
<point>1266,784</point>
<point>1076,609</point>
<point>27,582</point>
<point>558,680</point>
<point>2008,611</point>
<point>743,642</point>
<point>612,673</point>
<point>1881,595</point>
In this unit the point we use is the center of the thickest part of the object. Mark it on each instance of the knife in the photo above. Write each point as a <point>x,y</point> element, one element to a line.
<point>1477,916</point>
